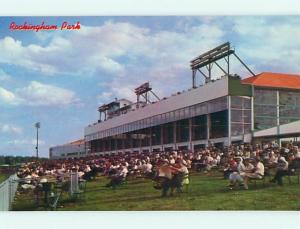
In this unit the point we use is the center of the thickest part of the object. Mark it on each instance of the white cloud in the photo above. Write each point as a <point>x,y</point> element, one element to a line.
<point>158,57</point>
<point>17,142</point>
<point>36,94</point>
<point>13,52</point>
<point>273,45</point>
<point>98,48</point>
<point>8,97</point>
<point>10,129</point>
<point>132,54</point>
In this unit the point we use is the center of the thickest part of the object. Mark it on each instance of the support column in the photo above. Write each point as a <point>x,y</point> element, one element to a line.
<point>190,134</point>
<point>162,137</point>
<point>140,141</point>
<point>150,140</point>
<point>130,142</point>
<point>194,78</point>
<point>252,110</point>
<point>100,116</point>
<point>175,135</point>
<point>208,128</point>
<point>123,142</point>
<point>278,117</point>
<point>229,120</point>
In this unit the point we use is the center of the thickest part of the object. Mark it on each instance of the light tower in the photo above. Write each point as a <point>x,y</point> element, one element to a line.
<point>37,126</point>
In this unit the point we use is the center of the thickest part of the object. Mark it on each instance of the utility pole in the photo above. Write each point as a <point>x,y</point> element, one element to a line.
<point>37,126</point>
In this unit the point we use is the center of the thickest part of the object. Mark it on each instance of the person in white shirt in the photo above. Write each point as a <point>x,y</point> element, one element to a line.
<point>272,158</point>
<point>257,172</point>
<point>148,167</point>
<point>209,161</point>
<point>119,177</point>
<point>235,176</point>
<point>87,169</point>
<point>172,160</point>
<point>297,154</point>
<point>248,167</point>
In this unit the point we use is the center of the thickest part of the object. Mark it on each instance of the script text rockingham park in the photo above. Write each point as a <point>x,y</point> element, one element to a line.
<point>43,26</point>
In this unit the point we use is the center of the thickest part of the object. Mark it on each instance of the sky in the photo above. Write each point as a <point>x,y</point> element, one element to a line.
<point>59,78</point>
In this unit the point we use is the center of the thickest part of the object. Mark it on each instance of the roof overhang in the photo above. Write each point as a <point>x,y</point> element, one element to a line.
<point>290,129</point>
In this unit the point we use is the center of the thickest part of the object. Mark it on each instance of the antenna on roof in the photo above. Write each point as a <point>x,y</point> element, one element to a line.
<point>208,59</point>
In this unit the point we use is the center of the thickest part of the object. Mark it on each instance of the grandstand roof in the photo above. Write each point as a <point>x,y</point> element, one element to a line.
<point>274,80</point>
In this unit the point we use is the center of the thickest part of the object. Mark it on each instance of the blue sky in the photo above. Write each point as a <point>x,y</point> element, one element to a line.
<point>60,77</point>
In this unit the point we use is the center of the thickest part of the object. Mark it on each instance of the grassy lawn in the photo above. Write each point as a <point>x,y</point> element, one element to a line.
<point>3,177</point>
<point>206,192</point>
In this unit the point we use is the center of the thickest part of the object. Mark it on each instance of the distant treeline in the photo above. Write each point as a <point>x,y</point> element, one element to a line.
<point>15,160</point>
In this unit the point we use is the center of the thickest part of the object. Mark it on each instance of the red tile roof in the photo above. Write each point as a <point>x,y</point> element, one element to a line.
<point>274,80</point>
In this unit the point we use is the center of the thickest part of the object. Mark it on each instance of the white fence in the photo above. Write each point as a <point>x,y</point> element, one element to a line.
<point>8,190</point>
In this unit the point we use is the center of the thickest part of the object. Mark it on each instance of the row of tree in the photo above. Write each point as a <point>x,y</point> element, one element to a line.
<point>15,160</point>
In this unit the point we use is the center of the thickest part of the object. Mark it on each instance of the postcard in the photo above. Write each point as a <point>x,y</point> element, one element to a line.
<point>149,113</point>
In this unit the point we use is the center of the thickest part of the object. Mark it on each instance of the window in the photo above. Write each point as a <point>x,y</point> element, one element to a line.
<point>145,137</point>
<point>237,129</point>
<point>217,105</point>
<point>156,135</point>
<point>265,110</point>
<point>135,136</point>
<point>289,98</point>
<point>264,123</point>
<point>177,114</point>
<point>168,133</point>
<point>182,130</point>
<point>187,112</point>
<point>265,97</point>
<point>236,102</point>
<point>199,127</point>
<point>247,116</point>
<point>127,141</point>
<point>237,116</point>
<point>192,111</point>
<point>219,124</point>
<point>246,103</point>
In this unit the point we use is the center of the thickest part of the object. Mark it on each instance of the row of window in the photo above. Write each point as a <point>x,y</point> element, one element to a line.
<point>184,113</point>
<point>168,133</point>
<point>265,108</point>
<point>269,97</point>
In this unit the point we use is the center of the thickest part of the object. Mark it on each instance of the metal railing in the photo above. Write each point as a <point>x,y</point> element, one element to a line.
<point>8,190</point>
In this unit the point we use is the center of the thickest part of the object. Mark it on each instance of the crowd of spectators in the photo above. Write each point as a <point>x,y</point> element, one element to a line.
<point>239,164</point>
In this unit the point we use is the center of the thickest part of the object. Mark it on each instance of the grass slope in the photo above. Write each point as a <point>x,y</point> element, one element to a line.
<point>206,192</point>
<point>3,177</point>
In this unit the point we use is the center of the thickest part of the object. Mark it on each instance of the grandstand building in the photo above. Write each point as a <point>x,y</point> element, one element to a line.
<point>228,110</point>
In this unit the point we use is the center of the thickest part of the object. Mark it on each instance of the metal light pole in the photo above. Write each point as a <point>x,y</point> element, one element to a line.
<point>37,126</point>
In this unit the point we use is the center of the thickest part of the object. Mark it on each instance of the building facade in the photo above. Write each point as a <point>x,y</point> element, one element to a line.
<point>217,113</point>
<point>69,150</point>
<point>229,110</point>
